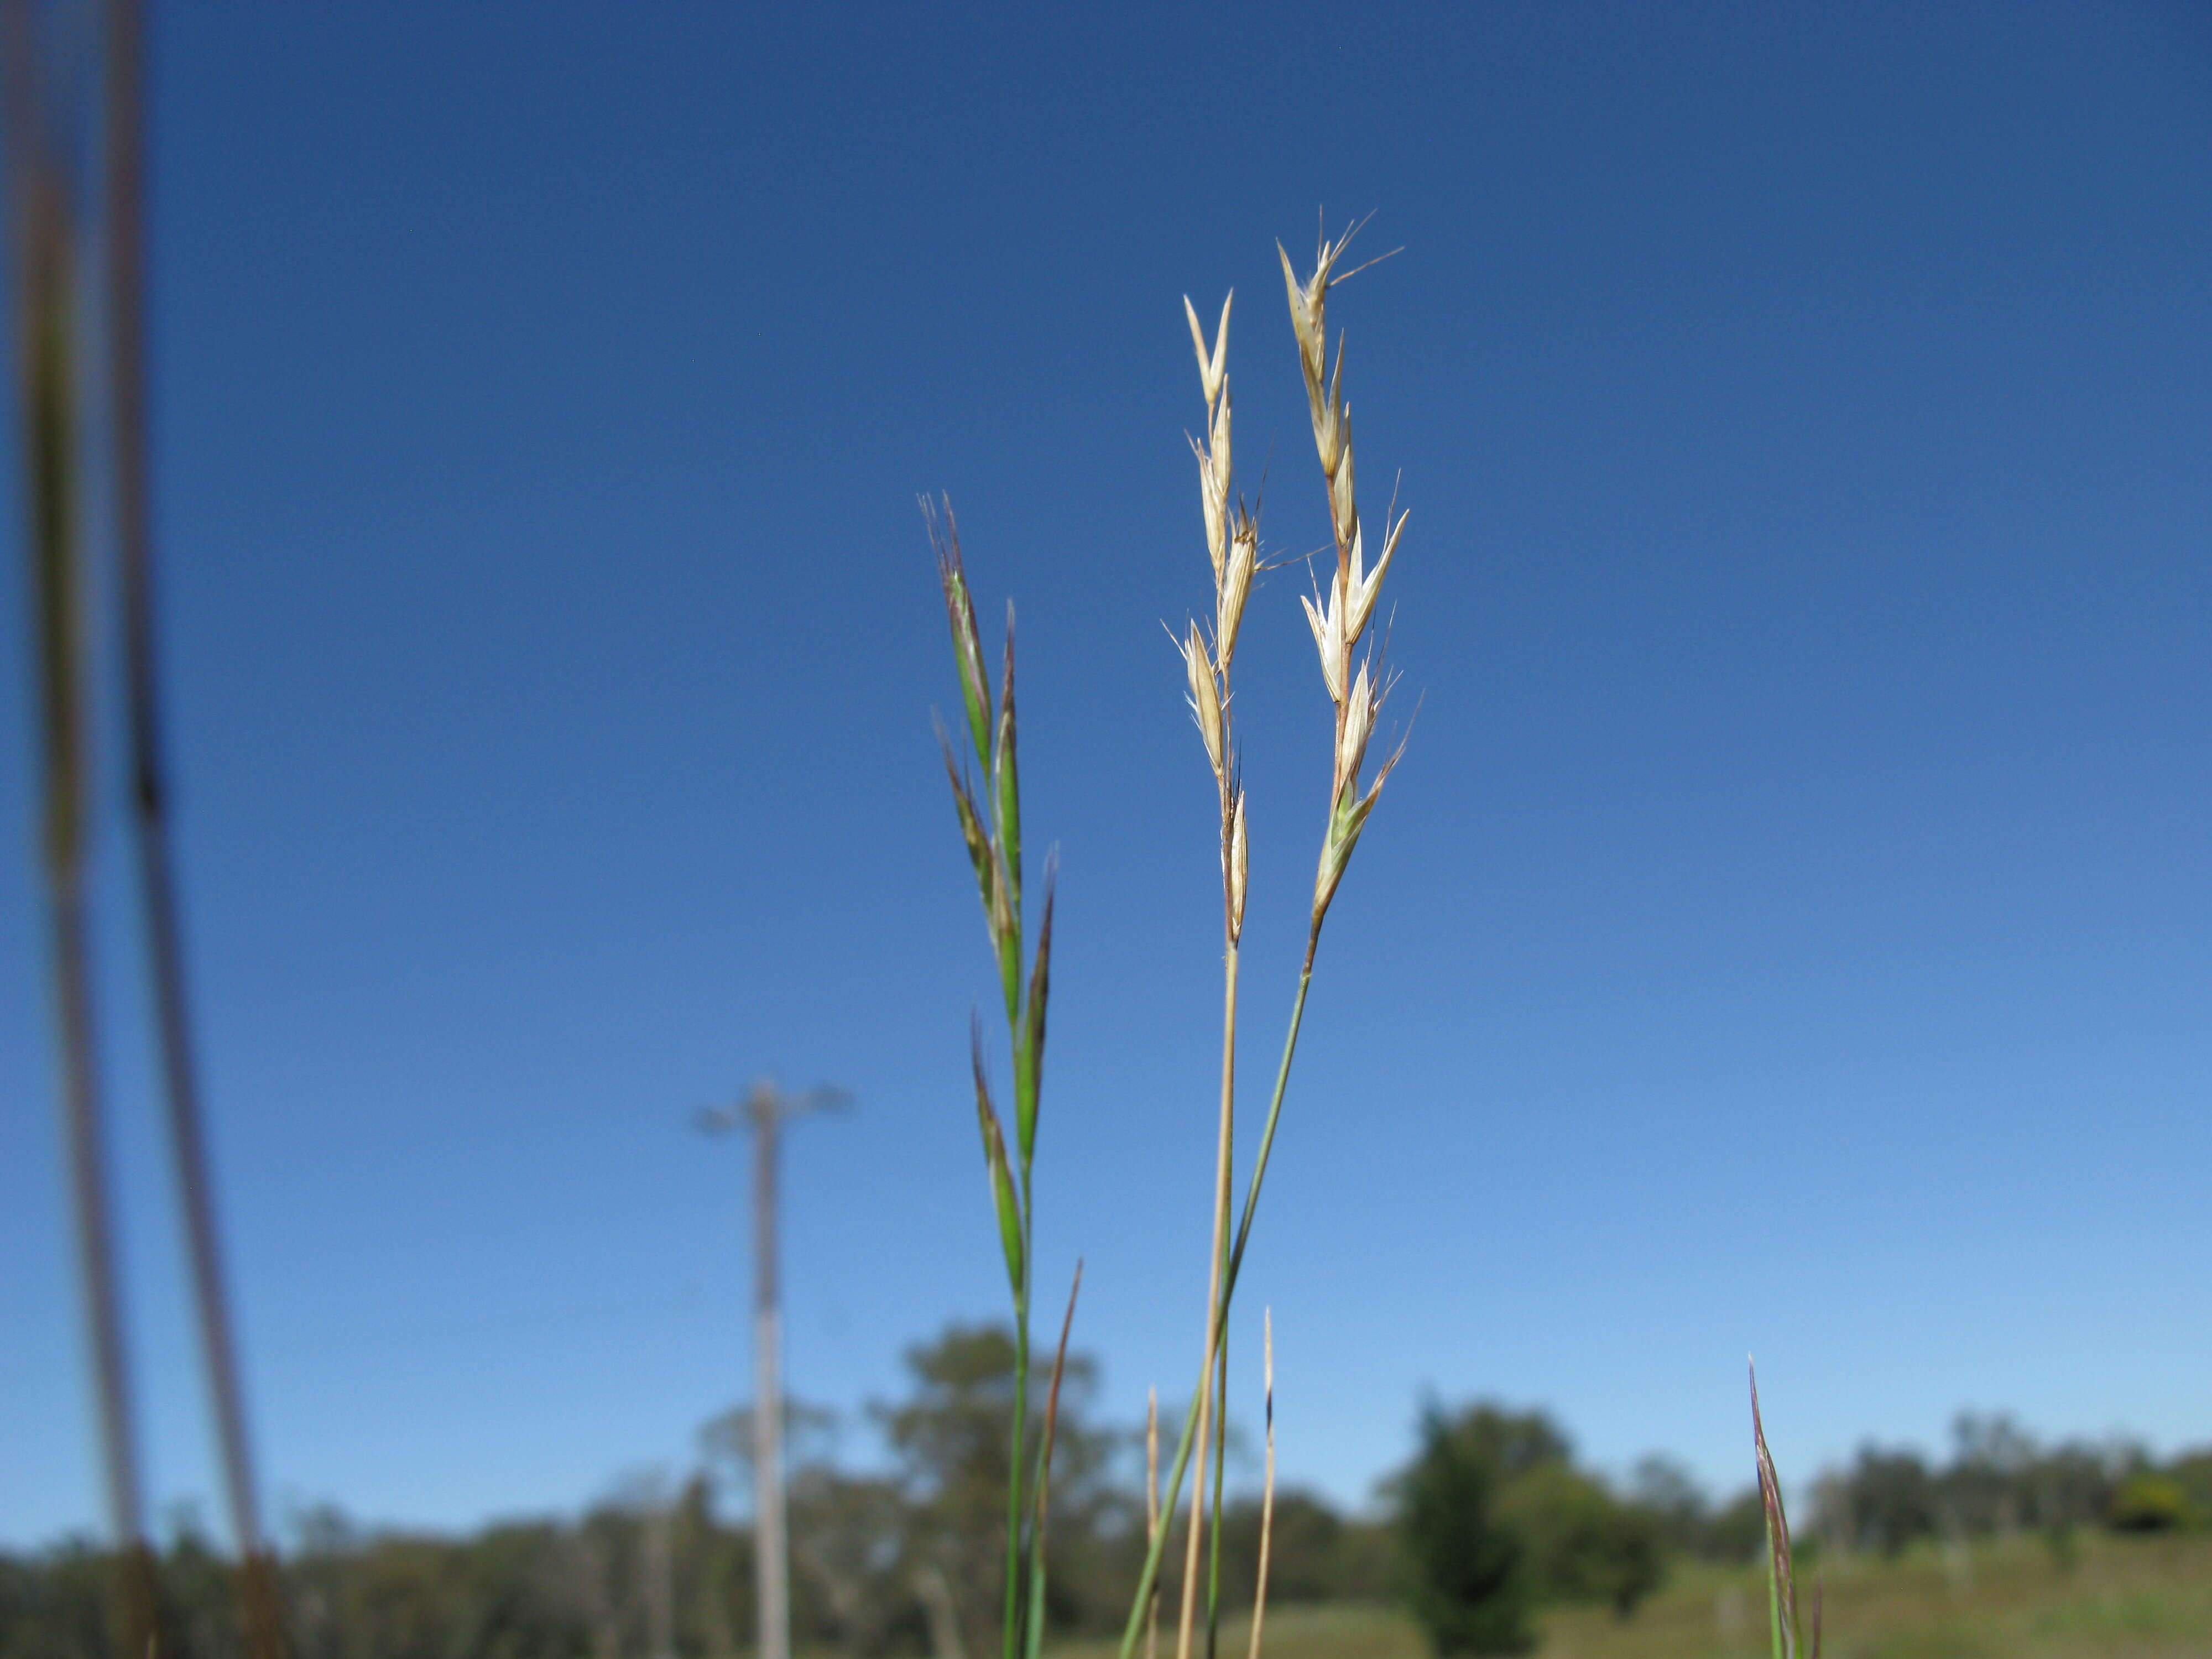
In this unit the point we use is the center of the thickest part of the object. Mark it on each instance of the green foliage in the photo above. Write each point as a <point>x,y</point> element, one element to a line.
<point>1737,1530</point>
<point>899,1560</point>
<point>1582,1543</point>
<point>2193,1473</point>
<point>1889,1500</point>
<point>2148,1501</point>
<point>1471,1588</point>
<point>1315,1554</point>
<point>1498,1521</point>
<point>54,1604</point>
<point>2000,1480</point>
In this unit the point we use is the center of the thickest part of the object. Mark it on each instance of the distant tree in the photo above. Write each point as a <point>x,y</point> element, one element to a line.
<point>1516,1443</point>
<point>2148,1501</point>
<point>2192,1471</point>
<point>1471,1590</point>
<point>1738,1530</point>
<point>1671,1496</point>
<point>1582,1543</point>
<point>1889,1499</point>
<point>54,1605</point>
<point>1370,1561</point>
<point>1986,1487</point>
<point>1304,1549</point>
<point>949,1436</point>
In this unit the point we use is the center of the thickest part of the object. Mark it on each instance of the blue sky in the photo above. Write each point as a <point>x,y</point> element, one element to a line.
<point>1790,930</point>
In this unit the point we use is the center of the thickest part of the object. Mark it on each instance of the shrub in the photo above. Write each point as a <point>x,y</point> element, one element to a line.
<point>1583,1544</point>
<point>2149,1502</point>
<point>1471,1587</point>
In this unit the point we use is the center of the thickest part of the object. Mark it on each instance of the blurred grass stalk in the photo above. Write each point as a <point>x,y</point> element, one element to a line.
<point>52,395</point>
<point>261,1606</point>
<point>48,392</point>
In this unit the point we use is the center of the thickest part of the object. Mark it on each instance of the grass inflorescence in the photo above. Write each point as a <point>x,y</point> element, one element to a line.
<point>988,806</point>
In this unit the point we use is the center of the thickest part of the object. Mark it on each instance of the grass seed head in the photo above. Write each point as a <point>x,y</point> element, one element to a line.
<point>971,823</point>
<point>1008,802</point>
<point>1360,708</point>
<point>1205,694</point>
<point>967,642</point>
<point>1029,1052</point>
<point>1239,863</point>
<point>1348,817</point>
<point>1366,584</point>
<point>1236,585</point>
<point>1343,504</point>
<point>1326,617</point>
<point>1213,370</point>
<point>994,1158</point>
<point>1309,302</point>
<point>1210,500</point>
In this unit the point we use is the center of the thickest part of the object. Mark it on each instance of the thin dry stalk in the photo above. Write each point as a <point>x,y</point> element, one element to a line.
<point>45,242</point>
<point>260,1605</point>
<point>1267,1491</point>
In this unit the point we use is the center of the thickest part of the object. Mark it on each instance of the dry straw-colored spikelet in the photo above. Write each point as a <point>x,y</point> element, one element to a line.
<point>1339,618</point>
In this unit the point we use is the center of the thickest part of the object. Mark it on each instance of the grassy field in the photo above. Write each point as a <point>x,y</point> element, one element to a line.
<point>2120,1598</point>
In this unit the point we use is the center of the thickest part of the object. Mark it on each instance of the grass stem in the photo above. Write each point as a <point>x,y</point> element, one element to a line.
<point>1267,1488</point>
<point>48,390</point>
<point>259,1603</point>
<point>1152,1513</point>
<point>1149,1577</point>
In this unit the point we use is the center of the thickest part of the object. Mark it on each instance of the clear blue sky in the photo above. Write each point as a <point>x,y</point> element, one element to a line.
<point>1790,930</point>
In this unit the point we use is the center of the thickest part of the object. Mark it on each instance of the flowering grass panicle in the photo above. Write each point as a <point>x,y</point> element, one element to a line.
<point>988,809</point>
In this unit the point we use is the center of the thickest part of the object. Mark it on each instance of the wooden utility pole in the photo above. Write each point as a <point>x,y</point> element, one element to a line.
<point>765,1108</point>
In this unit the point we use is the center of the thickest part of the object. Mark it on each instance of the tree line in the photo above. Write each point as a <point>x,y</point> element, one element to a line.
<point>1490,1520</point>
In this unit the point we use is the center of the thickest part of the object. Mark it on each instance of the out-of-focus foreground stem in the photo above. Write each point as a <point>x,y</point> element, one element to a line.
<point>47,391</point>
<point>259,1603</point>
